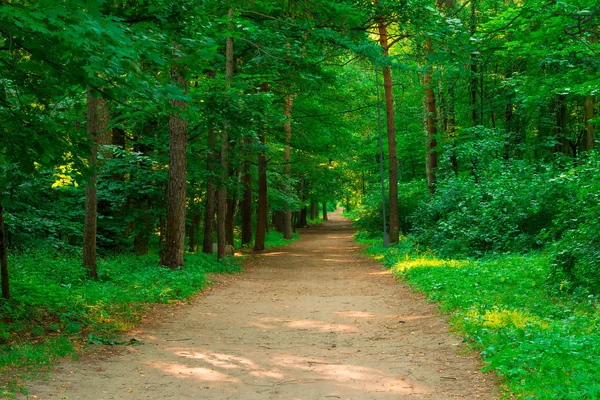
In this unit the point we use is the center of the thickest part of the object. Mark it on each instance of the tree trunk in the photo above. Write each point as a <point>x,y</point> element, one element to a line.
<point>474,81</point>
<point>313,210</point>
<point>261,211</point>
<point>222,193</point>
<point>324,211</point>
<point>431,162</point>
<point>230,219</point>
<point>97,128</point>
<point>247,198</point>
<point>278,223</point>
<point>287,111</point>
<point>173,252</point>
<point>303,217</point>
<point>391,133</point>
<point>209,212</point>
<point>194,228</point>
<point>3,257</point>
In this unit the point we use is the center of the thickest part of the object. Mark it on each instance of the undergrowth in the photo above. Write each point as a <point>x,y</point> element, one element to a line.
<point>55,310</point>
<point>543,342</point>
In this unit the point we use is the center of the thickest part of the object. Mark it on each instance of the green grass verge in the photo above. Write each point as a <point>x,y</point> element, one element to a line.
<point>55,309</point>
<point>544,344</point>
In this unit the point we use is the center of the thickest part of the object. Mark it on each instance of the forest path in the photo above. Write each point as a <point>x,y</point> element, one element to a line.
<point>313,320</point>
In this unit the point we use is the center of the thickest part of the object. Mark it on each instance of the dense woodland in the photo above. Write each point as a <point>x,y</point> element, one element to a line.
<point>135,128</point>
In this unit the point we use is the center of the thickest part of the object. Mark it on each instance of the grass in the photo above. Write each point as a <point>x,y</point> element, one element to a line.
<point>544,343</point>
<point>55,310</point>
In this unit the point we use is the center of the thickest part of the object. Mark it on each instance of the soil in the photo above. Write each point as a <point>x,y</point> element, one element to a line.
<point>312,320</point>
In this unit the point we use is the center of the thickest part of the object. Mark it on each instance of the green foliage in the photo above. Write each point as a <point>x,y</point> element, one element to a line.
<point>497,206</point>
<point>52,299</point>
<point>542,345</point>
<point>368,217</point>
<point>575,251</point>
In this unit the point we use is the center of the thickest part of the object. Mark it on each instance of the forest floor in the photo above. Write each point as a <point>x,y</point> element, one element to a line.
<point>312,320</point>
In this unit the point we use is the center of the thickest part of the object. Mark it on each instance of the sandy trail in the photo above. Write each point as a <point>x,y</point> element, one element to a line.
<point>313,320</point>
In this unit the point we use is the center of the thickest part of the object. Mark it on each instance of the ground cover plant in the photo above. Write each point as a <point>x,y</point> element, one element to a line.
<point>56,310</point>
<point>544,343</point>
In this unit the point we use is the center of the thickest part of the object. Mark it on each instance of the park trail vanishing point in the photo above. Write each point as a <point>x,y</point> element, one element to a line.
<point>312,320</point>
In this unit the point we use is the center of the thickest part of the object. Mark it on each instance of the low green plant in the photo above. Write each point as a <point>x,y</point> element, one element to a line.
<point>543,343</point>
<point>53,302</point>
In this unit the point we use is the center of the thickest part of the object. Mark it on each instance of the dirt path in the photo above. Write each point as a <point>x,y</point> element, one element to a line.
<point>313,320</point>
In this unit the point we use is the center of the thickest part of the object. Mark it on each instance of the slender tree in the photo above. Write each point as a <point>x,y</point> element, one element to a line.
<point>97,128</point>
<point>394,233</point>
<point>174,247</point>
<point>261,211</point>
<point>222,192</point>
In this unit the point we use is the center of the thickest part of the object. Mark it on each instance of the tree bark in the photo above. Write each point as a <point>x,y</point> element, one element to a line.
<point>325,211</point>
<point>3,257</point>
<point>287,111</point>
<point>173,252</point>
<point>230,219</point>
<point>97,128</point>
<point>474,81</point>
<point>194,228</point>
<point>431,162</point>
<point>247,198</point>
<point>209,212</point>
<point>222,193</point>
<point>391,134</point>
<point>261,211</point>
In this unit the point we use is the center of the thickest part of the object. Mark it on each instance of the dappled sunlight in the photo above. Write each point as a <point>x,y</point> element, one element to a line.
<point>355,314</point>
<point>226,361</point>
<point>500,318</point>
<point>274,374</point>
<point>423,262</point>
<point>386,272</point>
<point>185,372</point>
<point>277,253</point>
<point>303,325</point>
<point>356,377</point>
<point>335,260</point>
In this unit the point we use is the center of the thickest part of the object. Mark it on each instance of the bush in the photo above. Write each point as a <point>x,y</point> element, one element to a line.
<point>575,254</point>
<point>368,218</point>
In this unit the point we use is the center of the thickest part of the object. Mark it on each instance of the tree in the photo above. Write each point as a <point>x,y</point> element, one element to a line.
<point>97,128</point>
<point>174,249</point>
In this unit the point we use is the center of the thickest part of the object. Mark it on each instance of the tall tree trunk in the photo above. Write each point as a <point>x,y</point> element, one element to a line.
<point>261,211</point>
<point>394,232</point>
<point>247,197</point>
<point>588,140</point>
<point>3,257</point>
<point>325,211</point>
<point>230,219</point>
<point>194,227</point>
<point>222,193</point>
<point>97,128</point>
<point>431,162</point>
<point>173,252</point>
<point>313,210</point>
<point>278,223</point>
<point>287,111</point>
<point>474,81</point>
<point>209,211</point>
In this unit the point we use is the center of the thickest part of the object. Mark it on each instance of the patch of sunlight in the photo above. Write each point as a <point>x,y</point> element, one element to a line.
<point>423,262</point>
<point>500,318</point>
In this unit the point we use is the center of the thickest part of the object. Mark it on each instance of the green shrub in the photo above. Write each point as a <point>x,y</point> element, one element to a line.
<point>575,254</point>
<point>501,208</point>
